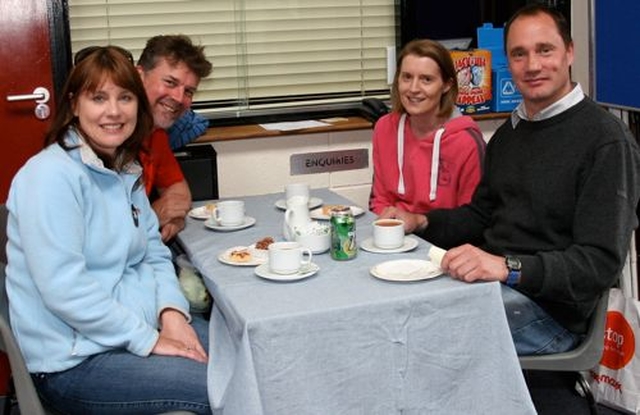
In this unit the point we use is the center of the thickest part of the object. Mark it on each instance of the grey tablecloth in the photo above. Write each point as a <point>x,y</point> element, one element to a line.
<point>344,342</point>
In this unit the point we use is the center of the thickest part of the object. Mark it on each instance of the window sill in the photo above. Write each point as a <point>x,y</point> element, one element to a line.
<point>241,132</point>
<point>247,131</point>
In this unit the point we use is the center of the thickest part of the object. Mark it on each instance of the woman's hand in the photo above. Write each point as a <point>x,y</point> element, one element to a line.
<point>412,221</point>
<point>178,338</point>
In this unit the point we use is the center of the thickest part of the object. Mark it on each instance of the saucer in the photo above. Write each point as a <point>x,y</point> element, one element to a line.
<point>320,213</point>
<point>409,244</point>
<point>202,212</point>
<point>406,270</point>
<point>314,202</point>
<point>305,272</point>
<point>212,224</point>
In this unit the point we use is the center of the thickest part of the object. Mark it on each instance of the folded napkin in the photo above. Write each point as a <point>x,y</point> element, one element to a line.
<point>435,254</point>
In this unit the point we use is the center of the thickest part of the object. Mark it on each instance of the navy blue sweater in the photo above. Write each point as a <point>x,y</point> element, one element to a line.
<point>561,195</point>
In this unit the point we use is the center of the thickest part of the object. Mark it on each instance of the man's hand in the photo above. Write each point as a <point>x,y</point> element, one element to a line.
<point>469,263</point>
<point>178,338</point>
<point>172,207</point>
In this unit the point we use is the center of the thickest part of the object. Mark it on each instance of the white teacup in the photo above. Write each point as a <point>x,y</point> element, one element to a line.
<point>288,257</point>
<point>388,233</point>
<point>229,212</point>
<point>296,189</point>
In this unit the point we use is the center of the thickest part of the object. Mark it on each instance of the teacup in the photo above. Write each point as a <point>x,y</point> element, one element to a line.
<point>288,257</point>
<point>229,212</point>
<point>296,189</point>
<point>388,233</point>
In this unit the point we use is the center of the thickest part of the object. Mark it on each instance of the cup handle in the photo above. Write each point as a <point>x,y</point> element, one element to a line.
<point>215,215</point>
<point>306,251</point>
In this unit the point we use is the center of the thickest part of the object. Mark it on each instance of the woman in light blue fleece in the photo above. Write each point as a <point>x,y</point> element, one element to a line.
<point>94,300</point>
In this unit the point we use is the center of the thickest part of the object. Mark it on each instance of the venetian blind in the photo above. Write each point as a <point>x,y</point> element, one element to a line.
<point>264,52</point>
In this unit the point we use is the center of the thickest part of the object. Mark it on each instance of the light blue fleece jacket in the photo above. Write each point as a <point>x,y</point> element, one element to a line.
<point>82,278</point>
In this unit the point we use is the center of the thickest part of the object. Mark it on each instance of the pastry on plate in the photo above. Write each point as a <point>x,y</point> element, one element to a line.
<point>264,243</point>
<point>326,209</point>
<point>240,255</point>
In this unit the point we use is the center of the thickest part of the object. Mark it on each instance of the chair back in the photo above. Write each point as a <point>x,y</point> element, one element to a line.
<point>586,356</point>
<point>28,399</point>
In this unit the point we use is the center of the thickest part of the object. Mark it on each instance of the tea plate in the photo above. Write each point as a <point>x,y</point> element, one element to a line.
<point>409,244</point>
<point>263,271</point>
<point>202,212</point>
<point>406,270</point>
<point>213,224</point>
<point>256,258</point>
<point>321,212</point>
<point>313,203</point>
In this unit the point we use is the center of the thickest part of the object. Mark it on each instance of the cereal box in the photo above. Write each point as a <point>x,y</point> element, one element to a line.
<point>473,69</point>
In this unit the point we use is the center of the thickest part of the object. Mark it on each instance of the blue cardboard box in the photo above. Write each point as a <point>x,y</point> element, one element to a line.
<point>505,95</point>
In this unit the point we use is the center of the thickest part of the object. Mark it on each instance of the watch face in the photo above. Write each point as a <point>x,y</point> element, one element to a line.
<point>513,263</point>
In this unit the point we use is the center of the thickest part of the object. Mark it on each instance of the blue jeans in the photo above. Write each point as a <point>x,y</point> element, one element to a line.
<point>118,382</point>
<point>532,329</point>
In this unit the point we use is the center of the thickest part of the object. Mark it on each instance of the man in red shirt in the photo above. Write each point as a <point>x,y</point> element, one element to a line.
<point>171,67</point>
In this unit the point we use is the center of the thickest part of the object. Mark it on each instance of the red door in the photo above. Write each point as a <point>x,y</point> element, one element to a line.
<point>25,53</point>
<point>26,68</point>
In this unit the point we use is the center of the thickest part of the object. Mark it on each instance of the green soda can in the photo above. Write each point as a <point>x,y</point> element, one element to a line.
<point>343,234</point>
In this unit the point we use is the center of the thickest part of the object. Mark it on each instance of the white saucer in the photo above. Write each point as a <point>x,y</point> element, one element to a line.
<point>257,258</point>
<point>212,224</point>
<point>409,244</point>
<point>264,272</point>
<point>320,215</point>
<point>314,202</point>
<point>202,212</point>
<point>406,270</point>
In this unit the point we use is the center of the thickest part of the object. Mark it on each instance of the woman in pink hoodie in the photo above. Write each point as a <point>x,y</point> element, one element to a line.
<point>426,154</point>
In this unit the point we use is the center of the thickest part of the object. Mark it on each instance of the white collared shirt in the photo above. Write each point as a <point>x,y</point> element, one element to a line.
<point>572,98</point>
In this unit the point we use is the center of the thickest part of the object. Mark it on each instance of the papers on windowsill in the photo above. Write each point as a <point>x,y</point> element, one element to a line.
<point>293,125</point>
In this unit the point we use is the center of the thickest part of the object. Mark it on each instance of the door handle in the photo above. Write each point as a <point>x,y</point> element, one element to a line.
<point>40,95</point>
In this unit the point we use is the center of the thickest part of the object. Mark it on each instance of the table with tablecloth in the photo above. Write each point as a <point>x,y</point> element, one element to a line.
<point>344,342</point>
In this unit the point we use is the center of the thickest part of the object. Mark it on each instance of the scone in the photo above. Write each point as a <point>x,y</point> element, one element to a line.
<point>240,255</point>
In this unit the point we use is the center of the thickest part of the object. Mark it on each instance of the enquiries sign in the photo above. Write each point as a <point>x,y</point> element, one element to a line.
<point>329,161</point>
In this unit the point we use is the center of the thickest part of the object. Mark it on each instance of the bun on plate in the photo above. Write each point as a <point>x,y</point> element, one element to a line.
<point>240,255</point>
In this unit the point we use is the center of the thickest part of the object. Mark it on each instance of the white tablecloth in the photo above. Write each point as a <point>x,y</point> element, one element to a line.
<point>344,342</point>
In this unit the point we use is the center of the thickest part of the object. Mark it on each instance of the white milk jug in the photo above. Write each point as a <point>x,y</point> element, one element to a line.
<point>296,216</point>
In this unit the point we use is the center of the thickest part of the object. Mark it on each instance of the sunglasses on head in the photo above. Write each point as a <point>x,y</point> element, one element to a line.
<point>83,53</point>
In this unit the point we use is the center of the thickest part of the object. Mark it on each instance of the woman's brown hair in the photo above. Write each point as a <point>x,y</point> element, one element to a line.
<point>426,48</point>
<point>90,72</point>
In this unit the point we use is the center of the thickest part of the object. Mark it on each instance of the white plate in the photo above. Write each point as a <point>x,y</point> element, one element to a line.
<point>257,258</point>
<point>212,224</point>
<point>320,215</point>
<point>409,244</point>
<point>406,270</point>
<point>314,202</point>
<point>202,212</point>
<point>263,272</point>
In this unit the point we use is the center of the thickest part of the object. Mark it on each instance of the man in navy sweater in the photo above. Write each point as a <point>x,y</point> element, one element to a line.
<point>554,212</point>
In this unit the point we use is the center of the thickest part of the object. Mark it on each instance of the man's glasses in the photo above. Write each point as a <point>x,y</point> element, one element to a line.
<point>83,53</point>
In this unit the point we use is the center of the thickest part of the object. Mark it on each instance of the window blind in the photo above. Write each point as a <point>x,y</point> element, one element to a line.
<point>264,52</point>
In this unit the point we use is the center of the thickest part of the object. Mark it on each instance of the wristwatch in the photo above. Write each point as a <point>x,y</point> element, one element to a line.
<point>514,266</point>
